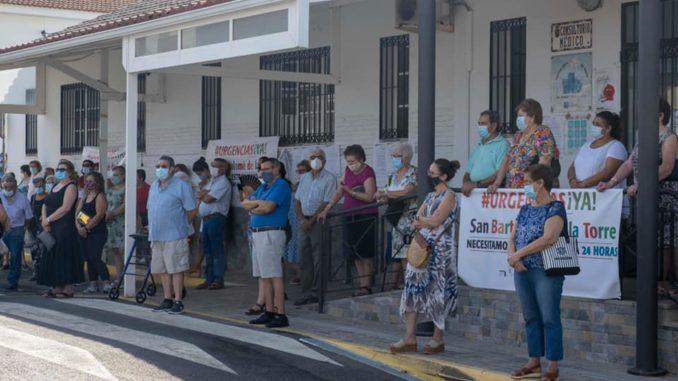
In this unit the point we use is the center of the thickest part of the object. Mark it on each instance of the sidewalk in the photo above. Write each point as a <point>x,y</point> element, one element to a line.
<point>463,360</point>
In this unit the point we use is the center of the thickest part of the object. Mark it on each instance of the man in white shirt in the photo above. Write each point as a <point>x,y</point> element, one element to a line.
<point>215,202</point>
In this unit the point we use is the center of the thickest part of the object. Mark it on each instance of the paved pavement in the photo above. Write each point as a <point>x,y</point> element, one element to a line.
<point>96,339</point>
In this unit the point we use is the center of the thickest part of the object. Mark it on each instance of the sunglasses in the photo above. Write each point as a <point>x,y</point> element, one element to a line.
<point>61,169</point>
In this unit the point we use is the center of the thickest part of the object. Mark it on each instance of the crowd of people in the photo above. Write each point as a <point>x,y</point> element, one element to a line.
<point>83,214</point>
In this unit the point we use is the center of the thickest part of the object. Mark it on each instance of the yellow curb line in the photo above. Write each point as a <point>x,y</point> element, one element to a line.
<point>426,369</point>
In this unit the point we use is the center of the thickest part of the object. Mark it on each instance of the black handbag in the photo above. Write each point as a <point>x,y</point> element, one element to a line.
<point>394,211</point>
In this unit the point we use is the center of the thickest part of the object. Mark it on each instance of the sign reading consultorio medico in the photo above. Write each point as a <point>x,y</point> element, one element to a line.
<point>572,35</point>
<point>487,219</point>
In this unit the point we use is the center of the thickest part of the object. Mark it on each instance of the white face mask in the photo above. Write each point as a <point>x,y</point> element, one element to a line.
<point>214,172</point>
<point>316,164</point>
<point>596,132</point>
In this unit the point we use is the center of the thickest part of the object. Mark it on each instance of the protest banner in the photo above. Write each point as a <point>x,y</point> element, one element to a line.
<point>593,218</point>
<point>116,156</point>
<point>243,153</point>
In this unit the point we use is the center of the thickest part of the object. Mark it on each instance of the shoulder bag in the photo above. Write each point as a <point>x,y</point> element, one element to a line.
<point>419,252</point>
<point>562,258</point>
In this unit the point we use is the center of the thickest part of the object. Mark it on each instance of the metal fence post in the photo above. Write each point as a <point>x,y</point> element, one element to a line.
<point>650,17</point>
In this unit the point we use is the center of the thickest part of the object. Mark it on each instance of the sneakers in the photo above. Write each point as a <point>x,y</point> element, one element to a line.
<point>264,318</point>
<point>91,290</point>
<point>177,309</point>
<point>165,306</point>
<point>278,321</point>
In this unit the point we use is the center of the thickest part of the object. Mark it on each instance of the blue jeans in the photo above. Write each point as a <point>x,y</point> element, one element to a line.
<point>14,239</point>
<point>539,296</point>
<point>213,247</point>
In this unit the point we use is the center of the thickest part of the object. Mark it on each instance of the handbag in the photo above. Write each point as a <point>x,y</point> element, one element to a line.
<point>47,239</point>
<point>419,252</point>
<point>562,258</point>
<point>394,211</point>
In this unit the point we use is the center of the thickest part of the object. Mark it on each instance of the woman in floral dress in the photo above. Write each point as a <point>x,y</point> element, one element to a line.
<point>115,218</point>
<point>534,143</point>
<point>432,291</point>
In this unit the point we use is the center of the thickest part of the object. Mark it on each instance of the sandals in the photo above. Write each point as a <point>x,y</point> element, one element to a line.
<point>402,347</point>
<point>433,347</point>
<point>525,372</point>
<point>551,376</point>
<point>362,291</point>
<point>260,309</point>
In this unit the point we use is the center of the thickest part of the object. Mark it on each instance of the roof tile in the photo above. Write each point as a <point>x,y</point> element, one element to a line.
<point>98,6</point>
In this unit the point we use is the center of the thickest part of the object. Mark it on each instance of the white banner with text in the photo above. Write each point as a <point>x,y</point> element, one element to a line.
<point>487,219</point>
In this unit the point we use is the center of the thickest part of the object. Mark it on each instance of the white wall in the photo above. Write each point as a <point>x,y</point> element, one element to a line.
<point>174,127</point>
<point>21,24</point>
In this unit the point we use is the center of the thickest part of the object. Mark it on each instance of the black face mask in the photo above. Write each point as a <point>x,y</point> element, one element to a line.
<point>434,181</point>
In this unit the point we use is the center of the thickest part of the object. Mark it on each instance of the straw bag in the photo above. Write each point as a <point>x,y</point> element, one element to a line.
<point>419,252</point>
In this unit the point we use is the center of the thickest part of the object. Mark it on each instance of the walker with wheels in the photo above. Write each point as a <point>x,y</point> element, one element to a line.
<point>139,255</point>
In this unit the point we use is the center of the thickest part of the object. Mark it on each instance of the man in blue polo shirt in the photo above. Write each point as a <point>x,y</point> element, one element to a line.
<point>488,156</point>
<point>269,209</point>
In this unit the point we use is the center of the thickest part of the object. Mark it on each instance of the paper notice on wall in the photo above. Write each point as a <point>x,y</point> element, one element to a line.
<point>291,156</point>
<point>243,153</point>
<point>116,156</point>
<point>571,82</point>
<point>606,85</point>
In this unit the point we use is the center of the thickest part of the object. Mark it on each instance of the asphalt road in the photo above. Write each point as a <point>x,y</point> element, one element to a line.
<point>96,339</point>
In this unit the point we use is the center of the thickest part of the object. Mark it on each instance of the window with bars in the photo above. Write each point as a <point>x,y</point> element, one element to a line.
<point>507,69</point>
<point>668,71</point>
<point>211,109</point>
<point>79,117</point>
<point>394,86</point>
<point>298,113</point>
<point>141,113</point>
<point>31,126</point>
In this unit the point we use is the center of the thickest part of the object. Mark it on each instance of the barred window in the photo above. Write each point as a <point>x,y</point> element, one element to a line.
<point>507,69</point>
<point>31,126</point>
<point>141,113</point>
<point>297,112</point>
<point>394,84</point>
<point>79,117</point>
<point>211,109</point>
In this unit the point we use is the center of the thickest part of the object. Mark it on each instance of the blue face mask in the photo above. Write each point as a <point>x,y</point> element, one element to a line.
<point>267,177</point>
<point>60,175</point>
<point>162,173</point>
<point>39,190</point>
<point>116,180</point>
<point>529,192</point>
<point>23,188</point>
<point>7,193</point>
<point>49,187</point>
<point>596,132</point>
<point>521,123</point>
<point>397,163</point>
<point>483,131</point>
<point>86,170</point>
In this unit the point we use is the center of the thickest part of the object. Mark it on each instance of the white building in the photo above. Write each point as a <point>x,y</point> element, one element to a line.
<point>27,20</point>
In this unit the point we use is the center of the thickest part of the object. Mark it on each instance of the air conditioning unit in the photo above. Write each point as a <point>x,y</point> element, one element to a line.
<point>407,17</point>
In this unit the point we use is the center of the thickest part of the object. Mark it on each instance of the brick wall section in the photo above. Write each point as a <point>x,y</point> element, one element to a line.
<point>598,331</point>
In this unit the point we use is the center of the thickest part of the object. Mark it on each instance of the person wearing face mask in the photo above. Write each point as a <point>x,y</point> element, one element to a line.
<point>171,205</point>
<point>533,144</point>
<point>19,212</point>
<point>292,249</point>
<point>37,201</point>
<point>36,171</point>
<point>49,171</point>
<point>142,199</point>
<point>269,210</point>
<point>487,158</point>
<point>115,218</point>
<point>668,149</point>
<point>600,158</point>
<point>357,189</point>
<point>62,266</point>
<point>540,222</point>
<point>401,183</point>
<point>202,170</point>
<point>25,179</point>
<point>431,292</point>
<point>214,204</point>
<point>93,232</point>
<point>314,193</point>
<point>87,167</point>
<point>50,182</point>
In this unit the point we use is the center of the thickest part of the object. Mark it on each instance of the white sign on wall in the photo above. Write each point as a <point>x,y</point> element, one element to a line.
<point>243,153</point>
<point>571,83</point>
<point>485,225</point>
<point>572,35</point>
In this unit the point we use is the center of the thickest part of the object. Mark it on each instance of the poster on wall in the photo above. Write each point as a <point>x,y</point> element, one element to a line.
<point>243,153</point>
<point>605,89</point>
<point>593,218</point>
<point>116,156</point>
<point>572,35</point>
<point>571,83</point>
<point>291,156</point>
